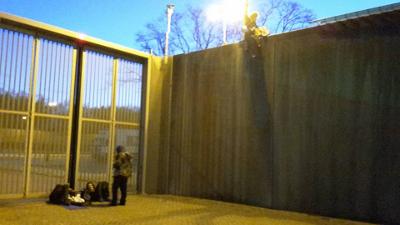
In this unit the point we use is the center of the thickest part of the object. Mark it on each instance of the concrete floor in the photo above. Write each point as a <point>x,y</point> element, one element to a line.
<point>154,209</point>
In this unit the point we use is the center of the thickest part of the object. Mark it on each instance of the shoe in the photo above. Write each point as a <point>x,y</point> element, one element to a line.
<point>113,204</point>
<point>122,203</point>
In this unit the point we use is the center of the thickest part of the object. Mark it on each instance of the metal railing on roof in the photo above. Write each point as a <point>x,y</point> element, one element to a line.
<point>358,14</point>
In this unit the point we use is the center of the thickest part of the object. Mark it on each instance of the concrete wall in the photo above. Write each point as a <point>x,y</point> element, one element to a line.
<point>310,125</point>
<point>157,134</point>
<point>336,119</point>
<point>219,131</point>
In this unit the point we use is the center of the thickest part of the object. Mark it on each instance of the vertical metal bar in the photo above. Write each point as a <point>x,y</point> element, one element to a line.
<point>8,161</point>
<point>117,96</point>
<point>50,125</point>
<point>138,101</point>
<point>95,98</point>
<point>2,31</point>
<point>144,124</point>
<point>13,104</point>
<point>113,110</point>
<point>130,114</point>
<point>31,121</point>
<point>59,73</point>
<point>71,111</point>
<point>88,71</point>
<point>89,84</point>
<point>16,155</point>
<point>65,61</point>
<point>136,70</point>
<point>130,117</point>
<point>80,106</point>
<point>2,175</point>
<point>9,179</point>
<point>48,75</point>
<point>21,78</point>
<point>107,98</point>
<point>3,98</point>
<point>139,72</point>
<point>9,75</point>
<point>113,77</point>
<point>125,93</point>
<point>43,69</point>
<point>26,72</point>
<point>100,96</point>
<point>101,60</point>
<point>116,93</point>
<point>129,93</point>
<point>63,75</point>
<point>130,72</point>
<point>106,114</point>
<point>92,84</point>
<point>112,95</point>
<point>60,133</point>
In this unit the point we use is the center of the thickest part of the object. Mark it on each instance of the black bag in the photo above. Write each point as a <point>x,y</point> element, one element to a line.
<point>102,193</point>
<point>59,195</point>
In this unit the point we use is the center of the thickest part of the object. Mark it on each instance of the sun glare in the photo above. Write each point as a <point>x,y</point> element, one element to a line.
<point>227,11</point>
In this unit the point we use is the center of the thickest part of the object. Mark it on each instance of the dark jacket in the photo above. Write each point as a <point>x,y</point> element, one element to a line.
<point>122,164</point>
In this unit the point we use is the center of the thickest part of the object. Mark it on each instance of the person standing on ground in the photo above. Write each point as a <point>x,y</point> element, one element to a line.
<point>122,169</point>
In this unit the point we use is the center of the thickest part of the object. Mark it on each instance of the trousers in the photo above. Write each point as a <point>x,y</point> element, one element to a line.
<point>119,182</point>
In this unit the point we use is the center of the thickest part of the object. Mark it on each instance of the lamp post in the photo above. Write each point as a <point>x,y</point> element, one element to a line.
<point>170,11</point>
<point>224,30</point>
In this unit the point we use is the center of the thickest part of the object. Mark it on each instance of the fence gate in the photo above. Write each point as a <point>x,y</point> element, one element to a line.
<point>36,84</point>
<point>110,115</point>
<point>38,71</point>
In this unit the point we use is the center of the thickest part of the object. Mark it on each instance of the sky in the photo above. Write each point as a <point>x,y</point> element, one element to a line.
<point>119,20</point>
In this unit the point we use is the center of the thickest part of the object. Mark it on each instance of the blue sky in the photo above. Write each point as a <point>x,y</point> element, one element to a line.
<point>118,20</point>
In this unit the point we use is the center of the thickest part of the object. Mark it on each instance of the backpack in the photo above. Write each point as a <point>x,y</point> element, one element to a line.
<point>102,193</point>
<point>60,194</point>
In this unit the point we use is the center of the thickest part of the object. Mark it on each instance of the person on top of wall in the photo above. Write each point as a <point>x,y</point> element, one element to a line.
<point>253,34</point>
<point>122,170</point>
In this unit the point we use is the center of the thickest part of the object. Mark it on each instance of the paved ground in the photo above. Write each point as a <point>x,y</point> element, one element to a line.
<point>151,209</point>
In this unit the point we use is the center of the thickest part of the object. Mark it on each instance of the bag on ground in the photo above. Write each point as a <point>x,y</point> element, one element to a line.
<point>102,193</point>
<point>60,194</point>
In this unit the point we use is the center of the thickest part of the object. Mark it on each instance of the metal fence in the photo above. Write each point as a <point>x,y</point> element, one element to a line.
<point>62,96</point>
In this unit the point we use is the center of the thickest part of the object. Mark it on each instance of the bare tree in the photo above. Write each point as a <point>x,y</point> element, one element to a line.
<point>293,16</point>
<point>268,9</point>
<point>153,38</point>
<point>204,35</point>
<point>190,30</point>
